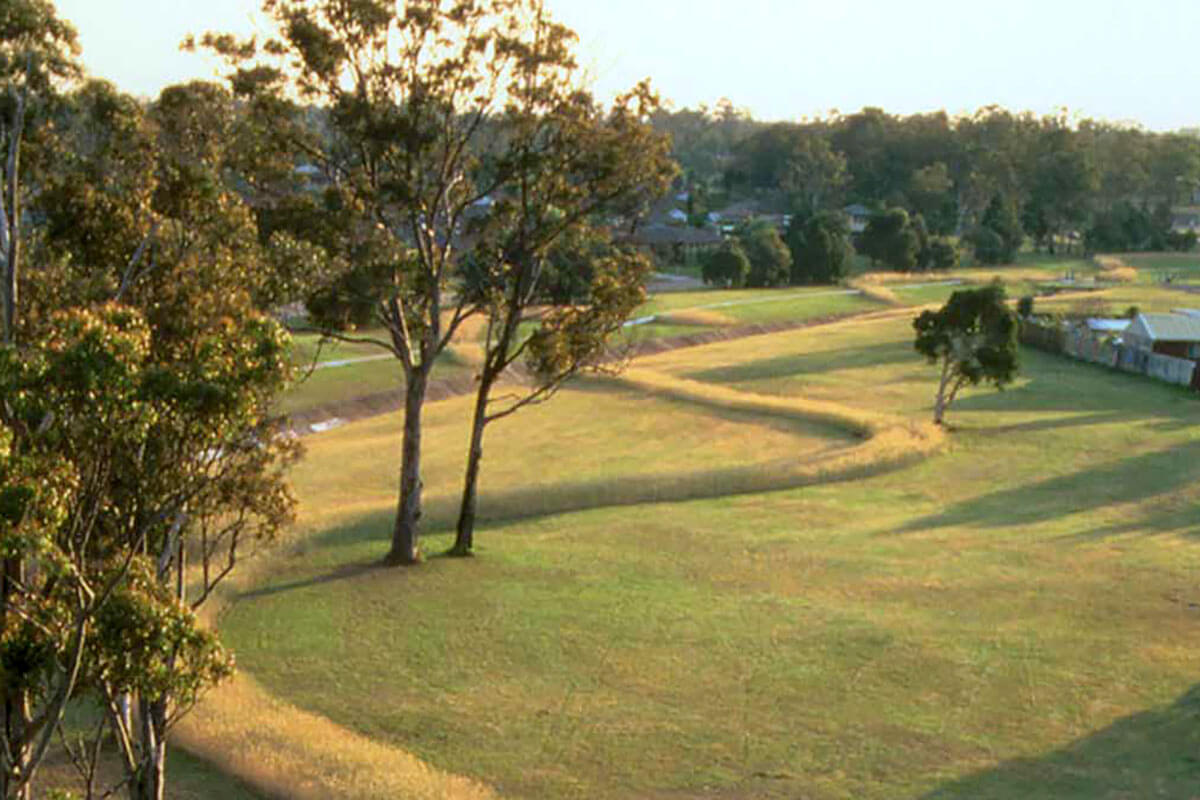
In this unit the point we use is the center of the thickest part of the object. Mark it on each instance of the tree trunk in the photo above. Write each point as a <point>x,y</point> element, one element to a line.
<point>464,539</point>
<point>14,783</point>
<point>10,301</point>
<point>11,206</point>
<point>11,787</point>
<point>941,402</point>
<point>405,550</point>
<point>151,779</point>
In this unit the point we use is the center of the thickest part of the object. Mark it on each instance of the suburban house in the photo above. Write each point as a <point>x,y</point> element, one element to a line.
<point>1185,219</point>
<point>859,216</point>
<point>740,212</point>
<point>1174,334</point>
<point>676,243</point>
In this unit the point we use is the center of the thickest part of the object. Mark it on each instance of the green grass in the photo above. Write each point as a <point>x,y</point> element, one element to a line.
<point>1155,267</point>
<point>333,385</point>
<point>1015,618</point>
<point>308,348</point>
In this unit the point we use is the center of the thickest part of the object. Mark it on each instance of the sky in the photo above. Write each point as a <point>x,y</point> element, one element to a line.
<point>1117,60</point>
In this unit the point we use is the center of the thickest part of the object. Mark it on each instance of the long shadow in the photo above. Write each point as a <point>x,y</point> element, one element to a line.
<point>1053,386</point>
<point>1150,754</point>
<point>343,573</point>
<point>1125,481</point>
<point>1057,423</point>
<point>532,502</point>
<point>808,363</point>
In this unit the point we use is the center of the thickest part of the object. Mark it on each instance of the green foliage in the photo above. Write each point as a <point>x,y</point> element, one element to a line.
<point>940,253</point>
<point>770,260</point>
<point>999,235</point>
<point>1126,228</point>
<point>891,239</point>
<point>1025,306</point>
<point>36,46</point>
<point>974,338</point>
<point>571,336</point>
<point>1181,241</point>
<point>149,645</point>
<point>569,273</point>
<point>132,449</point>
<point>821,249</point>
<point>726,267</point>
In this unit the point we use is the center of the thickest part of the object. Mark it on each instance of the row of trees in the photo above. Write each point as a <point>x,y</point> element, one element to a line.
<point>1060,176</point>
<point>818,249</point>
<point>465,173</point>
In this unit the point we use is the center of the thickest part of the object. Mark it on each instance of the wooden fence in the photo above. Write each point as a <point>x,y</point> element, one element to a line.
<point>1076,341</point>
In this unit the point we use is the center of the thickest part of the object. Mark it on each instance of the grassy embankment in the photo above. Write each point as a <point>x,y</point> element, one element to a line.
<point>1013,618</point>
<point>676,314</point>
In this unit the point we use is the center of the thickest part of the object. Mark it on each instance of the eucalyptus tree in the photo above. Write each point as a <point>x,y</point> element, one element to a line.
<point>141,211</point>
<point>566,165</point>
<point>973,340</point>
<point>430,124</point>
<point>37,55</point>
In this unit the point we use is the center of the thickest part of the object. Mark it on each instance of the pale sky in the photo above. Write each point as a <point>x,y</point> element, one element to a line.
<point>1120,60</point>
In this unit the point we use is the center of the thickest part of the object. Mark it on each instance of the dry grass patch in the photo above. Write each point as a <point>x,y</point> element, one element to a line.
<point>696,317</point>
<point>285,752</point>
<point>873,291</point>
<point>1114,270</point>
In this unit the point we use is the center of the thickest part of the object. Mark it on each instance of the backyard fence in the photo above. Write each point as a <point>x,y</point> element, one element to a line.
<point>1080,343</point>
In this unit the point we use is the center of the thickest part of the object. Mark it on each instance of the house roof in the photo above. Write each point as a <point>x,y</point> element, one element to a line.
<point>670,234</point>
<point>1171,327</point>
<point>1105,325</point>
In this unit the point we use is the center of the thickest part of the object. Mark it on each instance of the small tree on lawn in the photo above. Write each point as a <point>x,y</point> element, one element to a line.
<point>891,239</point>
<point>821,249</point>
<point>770,260</point>
<point>726,267</point>
<point>973,337</point>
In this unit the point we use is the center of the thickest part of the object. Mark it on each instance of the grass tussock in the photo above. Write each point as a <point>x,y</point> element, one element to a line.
<point>889,439</point>
<point>284,752</point>
<point>881,278</point>
<point>698,318</point>
<point>1114,270</point>
<point>873,291</point>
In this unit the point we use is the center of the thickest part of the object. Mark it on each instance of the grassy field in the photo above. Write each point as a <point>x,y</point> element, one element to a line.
<point>1016,617</point>
<point>1155,267</point>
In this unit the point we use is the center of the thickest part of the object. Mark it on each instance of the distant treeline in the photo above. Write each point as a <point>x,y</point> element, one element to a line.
<point>1104,186</point>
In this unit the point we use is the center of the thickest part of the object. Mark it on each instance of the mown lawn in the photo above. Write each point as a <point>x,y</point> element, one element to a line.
<point>1156,267</point>
<point>1017,617</point>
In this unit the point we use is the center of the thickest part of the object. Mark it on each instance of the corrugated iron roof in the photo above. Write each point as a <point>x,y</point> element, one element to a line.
<point>1172,327</point>
<point>1098,324</point>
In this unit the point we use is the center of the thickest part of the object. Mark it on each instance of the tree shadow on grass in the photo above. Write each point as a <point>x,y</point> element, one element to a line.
<point>342,573</point>
<point>1150,754</point>
<point>808,363</point>
<point>1127,480</point>
<point>532,502</point>
<point>1091,394</point>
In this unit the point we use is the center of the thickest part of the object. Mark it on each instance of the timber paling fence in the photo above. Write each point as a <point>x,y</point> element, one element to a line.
<point>1076,341</point>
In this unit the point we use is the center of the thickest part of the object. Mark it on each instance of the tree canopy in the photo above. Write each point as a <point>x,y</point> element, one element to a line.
<point>973,338</point>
